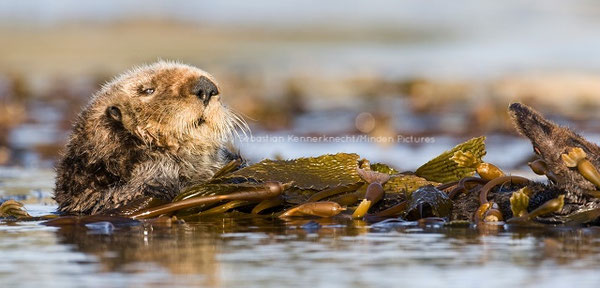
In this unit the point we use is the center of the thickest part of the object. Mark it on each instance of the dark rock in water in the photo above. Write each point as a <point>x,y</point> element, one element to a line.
<point>428,201</point>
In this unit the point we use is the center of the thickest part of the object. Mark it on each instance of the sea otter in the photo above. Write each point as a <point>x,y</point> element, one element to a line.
<point>149,132</point>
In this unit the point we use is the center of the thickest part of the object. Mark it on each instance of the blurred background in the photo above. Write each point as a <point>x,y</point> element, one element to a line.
<point>381,68</point>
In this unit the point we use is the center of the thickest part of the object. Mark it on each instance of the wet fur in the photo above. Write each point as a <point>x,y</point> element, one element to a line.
<point>550,141</point>
<point>154,146</point>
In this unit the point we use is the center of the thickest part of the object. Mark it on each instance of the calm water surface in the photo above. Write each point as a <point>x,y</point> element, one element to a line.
<point>263,252</point>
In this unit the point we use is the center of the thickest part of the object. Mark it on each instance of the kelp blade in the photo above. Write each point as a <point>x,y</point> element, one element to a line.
<point>316,173</point>
<point>383,168</point>
<point>405,183</point>
<point>211,189</point>
<point>443,170</point>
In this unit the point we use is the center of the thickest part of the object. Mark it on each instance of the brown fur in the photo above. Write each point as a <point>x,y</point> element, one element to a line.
<point>550,141</point>
<point>129,143</point>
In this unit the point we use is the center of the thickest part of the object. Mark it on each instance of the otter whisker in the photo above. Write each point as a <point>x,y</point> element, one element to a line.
<point>236,123</point>
<point>240,122</point>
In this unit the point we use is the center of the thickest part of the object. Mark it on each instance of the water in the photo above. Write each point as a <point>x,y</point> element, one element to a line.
<point>265,252</point>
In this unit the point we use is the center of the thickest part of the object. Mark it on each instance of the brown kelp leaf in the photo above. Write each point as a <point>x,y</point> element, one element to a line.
<point>519,201</point>
<point>12,208</point>
<point>383,168</point>
<point>267,204</point>
<point>489,171</point>
<point>329,192</point>
<point>582,217</point>
<point>428,201</point>
<point>211,189</point>
<point>373,195</point>
<point>551,206</point>
<point>577,158</point>
<point>228,168</point>
<point>397,184</point>
<point>349,199</point>
<point>295,195</point>
<point>306,173</point>
<point>194,204</point>
<point>136,205</point>
<point>320,209</point>
<point>465,159</point>
<point>401,183</point>
<point>443,169</point>
<point>221,209</point>
<point>373,176</point>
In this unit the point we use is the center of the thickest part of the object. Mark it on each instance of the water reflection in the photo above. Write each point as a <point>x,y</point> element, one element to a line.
<point>266,252</point>
<point>248,251</point>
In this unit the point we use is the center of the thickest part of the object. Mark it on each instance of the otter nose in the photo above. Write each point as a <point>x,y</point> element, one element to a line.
<point>205,89</point>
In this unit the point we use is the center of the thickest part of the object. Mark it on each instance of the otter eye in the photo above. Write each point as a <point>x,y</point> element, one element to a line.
<point>148,91</point>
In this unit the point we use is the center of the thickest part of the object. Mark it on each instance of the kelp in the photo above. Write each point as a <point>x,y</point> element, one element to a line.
<point>551,206</point>
<point>519,202</point>
<point>212,189</point>
<point>296,196</point>
<point>383,168</point>
<point>334,177</point>
<point>329,192</point>
<point>228,168</point>
<point>268,204</point>
<point>406,183</point>
<point>310,179</point>
<point>268,190</point>
<point>444,169</point>
<point>12,208</point>
<point>374,191</point>
<point>316,173</point>
<point>319,209</point>
<point>225,207</point>
<point>582,217</point>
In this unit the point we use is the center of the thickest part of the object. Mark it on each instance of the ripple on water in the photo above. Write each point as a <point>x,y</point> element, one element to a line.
<point>274,253</point>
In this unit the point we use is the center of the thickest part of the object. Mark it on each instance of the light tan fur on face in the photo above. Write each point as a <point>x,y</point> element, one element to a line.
<point>169,117</point>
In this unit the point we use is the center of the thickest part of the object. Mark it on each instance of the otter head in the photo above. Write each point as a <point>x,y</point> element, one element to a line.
<point>167,105</point>
<point>549,140</point>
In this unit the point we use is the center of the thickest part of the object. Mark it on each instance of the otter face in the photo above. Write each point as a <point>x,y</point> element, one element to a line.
<point>169,105</point>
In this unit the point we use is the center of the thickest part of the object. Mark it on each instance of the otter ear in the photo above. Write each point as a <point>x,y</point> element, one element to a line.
<point>114,113</point>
